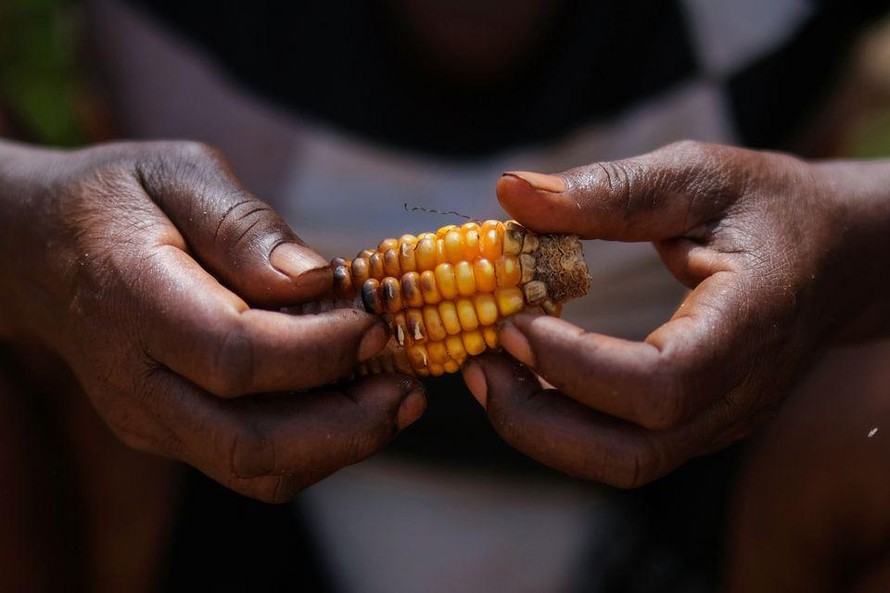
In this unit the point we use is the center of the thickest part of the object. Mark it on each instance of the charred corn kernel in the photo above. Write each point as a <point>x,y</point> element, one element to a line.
<point>438,353</point>
<point>418,356</point>
<point>435,329</point>
<point>416,327</point>
<point>444,293</point>
<point>360,271</point>
<point>425,254</point>
<point>449,317</point>
<point>465,278</point>
<point>454,246</point>
<point>490,244</point>
<point>456,350</point>
<point>342,280</point>
<point>407,255</point>
<point>391,265</point>
<point>551,308</point>
<point>399,325</point>
<point>514,235</point>
<point>429,288</point>
<point>484,274</point>
<point>412,296</point>
<point>526,267</point>
<point>387,244</point>
<point>392,295</point>
<point>486,308</point>
<point>507,271</point>
<point>466,314</point>
<point>375,266</point>
<point>490,335</point>
<point>445,281</point>
<point>474,343</point>
<point>509,301</point>
<point>371,296</point>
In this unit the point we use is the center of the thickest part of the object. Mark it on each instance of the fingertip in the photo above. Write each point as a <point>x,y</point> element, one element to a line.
<point>541,205</point>
<point>474,377</point>
<point>411,408</point>
<point>373,341</point>
<point>515,342</point>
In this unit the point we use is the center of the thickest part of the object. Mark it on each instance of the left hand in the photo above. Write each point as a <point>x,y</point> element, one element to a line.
<point>782,256</point>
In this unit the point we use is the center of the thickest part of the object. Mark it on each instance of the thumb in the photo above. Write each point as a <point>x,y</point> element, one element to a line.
<point>237,237</point>
<point>656,196</point>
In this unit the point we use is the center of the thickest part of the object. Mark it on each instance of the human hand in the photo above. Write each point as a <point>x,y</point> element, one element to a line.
<point>147,267</point>
<point>782,255</point>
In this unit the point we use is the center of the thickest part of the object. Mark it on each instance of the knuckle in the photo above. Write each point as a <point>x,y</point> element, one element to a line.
<point>640,465</point>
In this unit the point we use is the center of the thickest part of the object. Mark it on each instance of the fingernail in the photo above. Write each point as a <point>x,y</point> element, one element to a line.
<point>516,344</point>
<point>474,377</point>
<point>540,181</point>
<point>372,342</point>
<point>295,260</point>
<point>411,409</point>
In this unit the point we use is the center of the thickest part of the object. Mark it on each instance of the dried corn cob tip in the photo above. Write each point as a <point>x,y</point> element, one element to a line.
<point>443,293</point>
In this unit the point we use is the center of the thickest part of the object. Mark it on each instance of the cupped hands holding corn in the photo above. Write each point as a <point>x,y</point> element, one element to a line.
<point>444,293</point>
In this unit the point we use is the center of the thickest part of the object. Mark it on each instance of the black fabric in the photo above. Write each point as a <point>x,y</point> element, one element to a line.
<point>226,542</point>
<point>346,62</point>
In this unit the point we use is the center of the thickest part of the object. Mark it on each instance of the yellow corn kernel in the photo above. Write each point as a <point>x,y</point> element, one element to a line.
<point>375,266</point>
<point>391,263</point>
<point>484,274</point>
<point>473,341</point>
<point>486,308</point>
<point>440,252</point>
<point>507,271</point>
<point>456,350</point>
<point>490,244</point>
<point>466,279</point>
<point>470,226</point>
<point>425,254</point>
<point>371,296</point>
<point>407,254</point>
<point>451,366</point>
<point>440,234</point>
<point>438,352</point>
<point>435,329</point>
<point>466,314</point>
<point>471,245</point>
<point>445,281</point>
<point>436,370</point>
<point>411,293</point>
<point>429,288</point>
<point>454,246</point>
<point>360,271</point>
<point>509,301</point>
<point>490,335</point>
<point>450,319</point>
<point>387,244</point>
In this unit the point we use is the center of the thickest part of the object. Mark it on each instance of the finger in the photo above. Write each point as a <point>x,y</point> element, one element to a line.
<point>236,236</point>
<point>713,342</point>
<point>561,433</point>
<point>272,447</point>
<point>204,332</point>
<point>660,195</point>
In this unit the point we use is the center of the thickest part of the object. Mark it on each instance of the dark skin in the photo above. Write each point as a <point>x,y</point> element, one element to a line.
<point>151,272</point>
<point>783,258</point>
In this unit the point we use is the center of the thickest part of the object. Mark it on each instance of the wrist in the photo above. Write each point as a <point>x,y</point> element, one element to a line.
<point>861,192</point>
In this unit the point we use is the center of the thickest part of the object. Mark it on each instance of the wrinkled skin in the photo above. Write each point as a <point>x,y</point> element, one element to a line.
<point>783,257</point>
<point>155,275</point>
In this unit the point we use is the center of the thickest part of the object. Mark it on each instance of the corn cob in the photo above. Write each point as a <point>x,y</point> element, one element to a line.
<point>444,293</point>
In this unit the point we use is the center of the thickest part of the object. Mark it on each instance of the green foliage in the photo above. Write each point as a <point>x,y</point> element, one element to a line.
<point>39,68</point>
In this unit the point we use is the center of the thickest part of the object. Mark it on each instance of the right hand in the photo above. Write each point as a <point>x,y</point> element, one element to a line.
<point>146,266</point>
